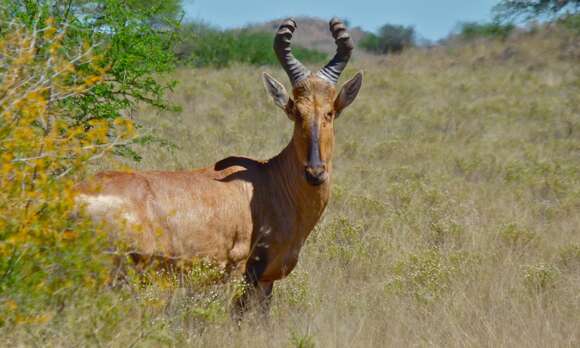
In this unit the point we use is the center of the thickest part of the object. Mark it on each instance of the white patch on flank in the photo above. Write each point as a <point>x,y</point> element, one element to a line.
<point>104,205</point>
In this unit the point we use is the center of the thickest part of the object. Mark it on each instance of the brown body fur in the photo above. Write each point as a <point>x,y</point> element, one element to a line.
<point>250,217</point>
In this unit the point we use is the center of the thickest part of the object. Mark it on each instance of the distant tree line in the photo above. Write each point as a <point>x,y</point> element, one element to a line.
<point>389,39</point>
<point>565,12</point>
<point>493,30</point>
<point>508,10</point>
<point>395,38</point>
<point>202,45</point>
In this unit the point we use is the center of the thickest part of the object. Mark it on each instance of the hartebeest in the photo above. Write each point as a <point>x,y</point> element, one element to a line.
<point>245,215</point>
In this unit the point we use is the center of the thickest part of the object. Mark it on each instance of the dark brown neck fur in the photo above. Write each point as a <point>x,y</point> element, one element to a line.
<point>308,201</point>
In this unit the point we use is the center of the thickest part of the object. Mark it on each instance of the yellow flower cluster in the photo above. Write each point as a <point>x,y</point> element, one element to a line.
<point>44,150</point>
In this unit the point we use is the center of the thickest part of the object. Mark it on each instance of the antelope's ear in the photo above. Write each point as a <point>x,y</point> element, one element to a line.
<point>276,91</point>
<point>348,93</point>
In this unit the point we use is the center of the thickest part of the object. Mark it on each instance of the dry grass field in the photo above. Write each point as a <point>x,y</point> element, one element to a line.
<point>454,218</point>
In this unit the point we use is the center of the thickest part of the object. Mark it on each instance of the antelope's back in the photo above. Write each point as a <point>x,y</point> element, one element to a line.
<point>186,214</point>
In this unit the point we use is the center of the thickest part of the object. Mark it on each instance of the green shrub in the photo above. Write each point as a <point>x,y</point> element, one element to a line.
<point>69,76</point>
<point>194,293</point>
<point>295,291</point>
<point>515,236</point>
<point>427,275</point>
<point>495,30</point>
<point>345,241</point>
<point>44,254</point>
<point>534,9</point>
<point>127,37</point>
<point>371,42</point>
<point>390,39</point>
<point>540,277</point>
<point>571,22</point>
<point>302,340</point>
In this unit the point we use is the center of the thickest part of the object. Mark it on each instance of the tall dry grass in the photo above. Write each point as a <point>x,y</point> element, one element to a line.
<point>454,218</point>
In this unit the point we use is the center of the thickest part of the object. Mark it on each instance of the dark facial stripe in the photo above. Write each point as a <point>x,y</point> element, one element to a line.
<point>314,147</point>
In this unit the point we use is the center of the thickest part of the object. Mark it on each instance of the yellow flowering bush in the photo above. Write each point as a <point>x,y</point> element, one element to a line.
<point>46,251</point>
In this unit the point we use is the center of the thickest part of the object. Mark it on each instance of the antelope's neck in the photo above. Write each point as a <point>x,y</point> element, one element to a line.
<point>288,176</point>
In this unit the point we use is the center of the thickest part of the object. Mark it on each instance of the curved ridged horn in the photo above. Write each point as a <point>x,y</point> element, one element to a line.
<point>295,70</point>
<point>344,45</point>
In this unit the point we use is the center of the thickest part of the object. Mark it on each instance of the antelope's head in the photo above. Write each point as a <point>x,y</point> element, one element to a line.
<point>315,103</point>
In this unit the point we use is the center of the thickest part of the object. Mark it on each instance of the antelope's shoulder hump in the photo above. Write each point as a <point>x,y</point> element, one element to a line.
<point>112,183</point>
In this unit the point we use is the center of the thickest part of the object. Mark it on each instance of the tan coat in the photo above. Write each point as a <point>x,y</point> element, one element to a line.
<point>239,213</point>
<point>250,217</point>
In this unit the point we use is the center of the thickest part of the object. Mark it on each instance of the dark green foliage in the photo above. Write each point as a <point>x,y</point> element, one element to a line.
<point>571,22</point>
<point>202,45</point>
<point>495,30</point>
<point>133,42</point>
<point>390,39</point>
<point>508,10</point>
<point>370,42</point>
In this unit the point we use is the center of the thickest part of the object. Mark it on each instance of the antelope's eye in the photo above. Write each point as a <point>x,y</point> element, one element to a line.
<point>329,115</point>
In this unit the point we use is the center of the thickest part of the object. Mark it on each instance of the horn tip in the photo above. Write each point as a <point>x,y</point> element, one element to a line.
<point>289,22</point>
<point>334,20</point>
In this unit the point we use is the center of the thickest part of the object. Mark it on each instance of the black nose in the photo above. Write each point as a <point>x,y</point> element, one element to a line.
<point>316,175</point>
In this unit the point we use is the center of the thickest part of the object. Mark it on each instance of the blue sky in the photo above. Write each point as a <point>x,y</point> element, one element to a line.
<point>433,19</point>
